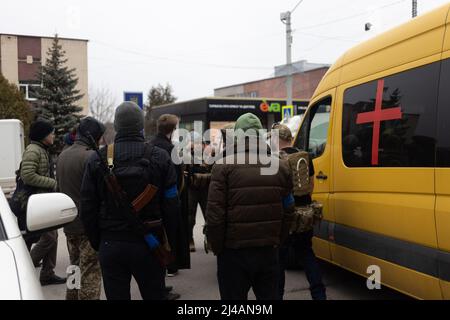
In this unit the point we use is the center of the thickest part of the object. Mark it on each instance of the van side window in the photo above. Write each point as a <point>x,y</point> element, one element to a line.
<point>314,132</point>
<point>391,122</point>
<point>443,144</point>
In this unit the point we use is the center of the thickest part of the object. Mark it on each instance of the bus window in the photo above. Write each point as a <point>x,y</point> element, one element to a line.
<point>391,122</point>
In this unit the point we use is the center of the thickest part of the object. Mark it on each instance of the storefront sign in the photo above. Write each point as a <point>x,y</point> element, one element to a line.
<point>273,107</point>
<point>233,106</point>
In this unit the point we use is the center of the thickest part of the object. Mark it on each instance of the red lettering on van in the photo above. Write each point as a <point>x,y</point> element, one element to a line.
<point>377,116</point>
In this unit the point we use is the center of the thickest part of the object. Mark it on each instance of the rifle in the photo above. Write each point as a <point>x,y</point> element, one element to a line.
<point>131,209</point>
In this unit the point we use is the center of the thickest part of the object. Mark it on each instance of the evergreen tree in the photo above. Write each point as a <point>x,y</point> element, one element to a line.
<point>58,95</point>
<point>157,96</point>
<point>13,105</point>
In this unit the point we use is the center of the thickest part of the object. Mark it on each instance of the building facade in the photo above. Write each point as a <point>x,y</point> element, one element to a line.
<point>21,56</point>
<point>306,77</point>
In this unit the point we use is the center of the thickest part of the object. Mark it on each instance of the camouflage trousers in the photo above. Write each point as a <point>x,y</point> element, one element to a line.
<point>82,255</point>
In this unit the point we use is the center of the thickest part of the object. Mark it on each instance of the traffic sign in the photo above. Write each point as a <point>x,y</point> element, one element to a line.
<point>136,97</point>
<point>287,112</point>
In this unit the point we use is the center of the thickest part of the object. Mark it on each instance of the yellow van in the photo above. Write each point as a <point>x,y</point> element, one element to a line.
<point>378,127</point>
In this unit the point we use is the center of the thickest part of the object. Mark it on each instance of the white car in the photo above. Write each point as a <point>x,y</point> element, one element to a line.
<point>18,279</point>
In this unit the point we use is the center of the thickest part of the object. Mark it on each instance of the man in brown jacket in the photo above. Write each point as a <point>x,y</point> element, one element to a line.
<point>248,215</point>
<point>69,171</point>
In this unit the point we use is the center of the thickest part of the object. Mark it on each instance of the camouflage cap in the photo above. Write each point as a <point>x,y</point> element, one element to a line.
<point>284,132</point>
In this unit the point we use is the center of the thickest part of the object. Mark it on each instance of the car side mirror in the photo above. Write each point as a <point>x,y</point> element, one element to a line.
<point>49,211</point>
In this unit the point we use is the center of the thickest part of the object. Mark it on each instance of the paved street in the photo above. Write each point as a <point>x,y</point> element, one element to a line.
<point>200,283</point>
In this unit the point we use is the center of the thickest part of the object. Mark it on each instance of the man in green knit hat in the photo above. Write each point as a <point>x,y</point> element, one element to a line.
<point>248,215</point>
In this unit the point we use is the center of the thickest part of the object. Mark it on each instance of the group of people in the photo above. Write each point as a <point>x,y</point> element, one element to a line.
<point>135,204</point>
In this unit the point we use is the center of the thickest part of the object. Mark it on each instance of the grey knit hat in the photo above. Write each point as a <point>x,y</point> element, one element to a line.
<point>129,118</point>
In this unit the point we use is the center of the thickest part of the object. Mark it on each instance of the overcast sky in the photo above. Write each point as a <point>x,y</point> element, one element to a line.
<point>199,45</point>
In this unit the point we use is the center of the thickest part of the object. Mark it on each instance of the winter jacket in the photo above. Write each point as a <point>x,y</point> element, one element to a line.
<point>69,173</point>
<point>181,242</point>
<point>245,208</point>
<point>164,143</point>
<point>35,170</point>
<point>102,220</point>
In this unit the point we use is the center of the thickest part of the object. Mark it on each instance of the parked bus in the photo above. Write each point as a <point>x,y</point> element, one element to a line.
<point>382,157</point>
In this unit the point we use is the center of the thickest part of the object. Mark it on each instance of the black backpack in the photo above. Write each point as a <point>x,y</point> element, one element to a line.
<point>133,177</point>
<point>19,200</point>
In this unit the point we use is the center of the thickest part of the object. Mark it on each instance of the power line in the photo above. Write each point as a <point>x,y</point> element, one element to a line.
<point>351,16</point>
<point>292,11</point>
<point>154,57</point>
<point>222,66</point>
<point>323,11</point>
<point>326,37</point>
<point>266,36</point>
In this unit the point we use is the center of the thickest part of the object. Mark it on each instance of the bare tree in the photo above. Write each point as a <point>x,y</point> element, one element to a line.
<point>110,133</point>
<point>102,104</point>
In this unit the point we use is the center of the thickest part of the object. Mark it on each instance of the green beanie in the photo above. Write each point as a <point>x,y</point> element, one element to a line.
<point>248,121</point>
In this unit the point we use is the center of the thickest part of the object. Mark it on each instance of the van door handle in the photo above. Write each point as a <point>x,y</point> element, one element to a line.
<point>321,176</point>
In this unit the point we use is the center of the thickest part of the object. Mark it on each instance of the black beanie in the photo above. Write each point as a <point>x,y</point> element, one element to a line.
<point>92,126</point>
<point>40,129</point>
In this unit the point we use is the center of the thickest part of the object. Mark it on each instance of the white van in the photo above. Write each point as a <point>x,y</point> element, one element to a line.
<point>12,147</point>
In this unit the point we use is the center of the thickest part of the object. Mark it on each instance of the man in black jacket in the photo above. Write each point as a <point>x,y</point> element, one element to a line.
<point>166,125</point>
<point>123,252</point>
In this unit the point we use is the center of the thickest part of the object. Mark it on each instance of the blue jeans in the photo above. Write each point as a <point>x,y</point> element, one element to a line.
<point>302,244</point>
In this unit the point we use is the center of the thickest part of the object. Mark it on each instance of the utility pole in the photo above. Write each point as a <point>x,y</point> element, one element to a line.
<point>414,8</point>
<point>286,19</point>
